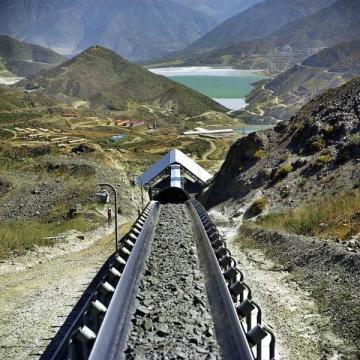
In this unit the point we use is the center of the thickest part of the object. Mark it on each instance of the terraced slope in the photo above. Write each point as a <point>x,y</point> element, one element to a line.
<point>282,96</point>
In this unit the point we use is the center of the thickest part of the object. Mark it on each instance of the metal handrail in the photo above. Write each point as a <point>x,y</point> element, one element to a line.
<point>229,331</point>
<point>112,337</point>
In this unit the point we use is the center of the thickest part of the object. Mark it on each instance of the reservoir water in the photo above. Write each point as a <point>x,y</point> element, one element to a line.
<point>227,86</point>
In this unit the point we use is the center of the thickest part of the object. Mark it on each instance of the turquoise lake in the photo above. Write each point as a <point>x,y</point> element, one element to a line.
<point>227,86</point>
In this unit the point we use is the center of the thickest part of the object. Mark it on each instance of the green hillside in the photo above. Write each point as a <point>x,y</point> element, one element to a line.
<point>105,80</point>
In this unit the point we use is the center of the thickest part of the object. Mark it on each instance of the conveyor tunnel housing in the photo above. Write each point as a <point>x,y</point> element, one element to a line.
<point>175,178</point>
<point>172,195</point>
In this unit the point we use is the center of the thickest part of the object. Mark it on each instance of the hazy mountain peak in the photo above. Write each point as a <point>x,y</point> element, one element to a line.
<point>137,29</point>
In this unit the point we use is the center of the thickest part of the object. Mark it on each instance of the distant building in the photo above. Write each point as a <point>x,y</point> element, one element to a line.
<point>116,138</point>
<point>124,123</point>
<point>69,115</point>
<point>201,131</point>
<point>129,123</point>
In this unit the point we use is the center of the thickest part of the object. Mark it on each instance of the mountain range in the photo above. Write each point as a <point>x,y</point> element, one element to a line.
<point>293,42</point>
<point>104,80</point>
<point>24,59</point>
<point>135,29</point>
<point>256,22</point>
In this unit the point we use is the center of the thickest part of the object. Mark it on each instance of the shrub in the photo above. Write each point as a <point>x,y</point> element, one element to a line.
<point>257,206</point>
<point>259,154</point>
<point>354,139</point>
<point>282,172</point>
<point>315,143</point>
<point>323,160</point>
<point>329,130</point>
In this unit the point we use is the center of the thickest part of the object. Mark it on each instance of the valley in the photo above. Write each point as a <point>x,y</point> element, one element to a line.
<point>226,86</point>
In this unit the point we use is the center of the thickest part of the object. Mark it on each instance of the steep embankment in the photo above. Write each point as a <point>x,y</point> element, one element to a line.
<point>282,96</point>
<point>24,59</point>
<point>106,80</point>
<point>300,184</point>
<point>315,153</point>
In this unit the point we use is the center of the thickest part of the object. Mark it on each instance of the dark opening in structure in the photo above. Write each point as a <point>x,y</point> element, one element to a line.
<point>172,195</point>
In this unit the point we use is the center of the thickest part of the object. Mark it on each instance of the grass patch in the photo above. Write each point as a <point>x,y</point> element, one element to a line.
<point>8,118</point>
<point>196,148</point>
<point>330,216</point>
<point>222,148</point>
<point>5,135</point>
<point>21,235</point>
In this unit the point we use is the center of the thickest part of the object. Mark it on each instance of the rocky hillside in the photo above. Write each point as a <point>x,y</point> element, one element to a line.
<point>271,14</point>
<point>103,79</point>
<point>69,27</point>
<point>220,10</point>
<point>340,58</point>
<point>314,154</point>
<point>282,96</point>
<point>293,42</point>
<point>24,59</point>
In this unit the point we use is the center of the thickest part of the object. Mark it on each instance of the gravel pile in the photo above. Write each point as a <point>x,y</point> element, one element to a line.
<point>172,318</point>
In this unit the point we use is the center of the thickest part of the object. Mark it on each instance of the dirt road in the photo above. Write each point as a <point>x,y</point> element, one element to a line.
<point>302,332</point>
<point>35,301</point>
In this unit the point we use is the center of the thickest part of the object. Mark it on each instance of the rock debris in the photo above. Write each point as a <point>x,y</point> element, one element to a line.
<point>172,319</point>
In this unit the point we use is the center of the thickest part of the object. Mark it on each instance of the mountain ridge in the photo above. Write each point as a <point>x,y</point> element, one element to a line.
<point>293,42</point>
<point>219,9</point>
<point>23,59</point>
<point>271,14</point>
<point>321,142</point>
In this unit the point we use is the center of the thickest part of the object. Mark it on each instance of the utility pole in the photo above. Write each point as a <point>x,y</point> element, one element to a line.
<point>142,194</point>
<point>116,212</point>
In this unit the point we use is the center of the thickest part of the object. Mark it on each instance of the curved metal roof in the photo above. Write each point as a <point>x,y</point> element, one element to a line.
<point>174,157</point>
